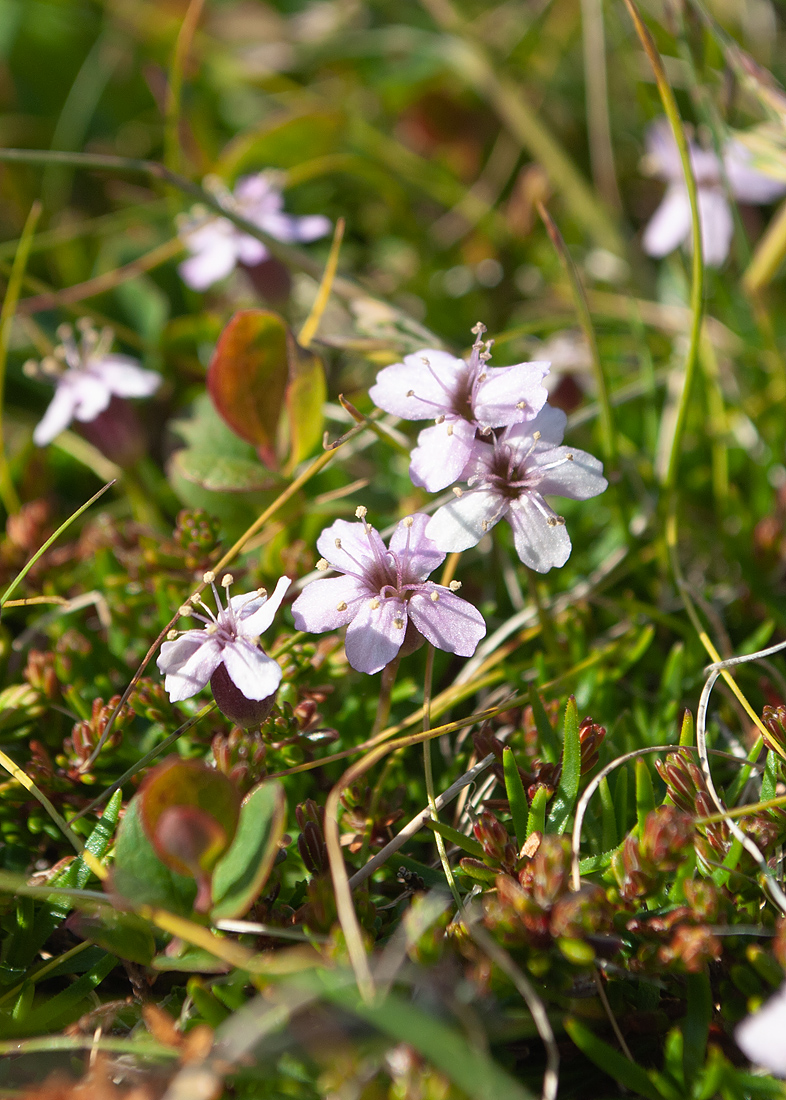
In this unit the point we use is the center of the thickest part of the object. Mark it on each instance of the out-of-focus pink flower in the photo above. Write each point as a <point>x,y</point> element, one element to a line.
<point>670,225</point>
<point>217,245</point>
<point>760,1037</point>
<point>86,376</point>
<point>509,478</point>
<point>383,591</point>
<point>228,638</point>
<point>463,397</point>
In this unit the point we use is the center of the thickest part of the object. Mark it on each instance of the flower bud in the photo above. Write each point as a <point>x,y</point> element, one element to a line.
<point>246,713</point>
<point>591,737</point>
<point>774,719</point>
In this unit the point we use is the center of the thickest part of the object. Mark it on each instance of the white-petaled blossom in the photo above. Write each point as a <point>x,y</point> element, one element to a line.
<point>86,376</point>
<point>670,225</point>
<point>762,1036</point>
<point>463,397</point>
<point>217,245</point>
<point>509,479</point>
<point>228,638</point>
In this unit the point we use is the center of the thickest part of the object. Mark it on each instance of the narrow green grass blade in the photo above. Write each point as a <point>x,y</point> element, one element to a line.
<point>517,796</point>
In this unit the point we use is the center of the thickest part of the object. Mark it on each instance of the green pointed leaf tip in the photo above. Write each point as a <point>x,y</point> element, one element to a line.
<point>190,814</point>
<point>257,373</point>
<point>517,797</point>
<point>570,777</point>
<point>242,872</point>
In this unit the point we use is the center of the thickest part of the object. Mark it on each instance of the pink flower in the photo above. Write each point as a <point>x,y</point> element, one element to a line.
<point>760,1037</point>
<point>86,377</point>
<point>670,225</point>
<point>463,398</point>
<point>509,478</point>
<point>383,591</point>
<point>229,639</point>
<point>217,245</point>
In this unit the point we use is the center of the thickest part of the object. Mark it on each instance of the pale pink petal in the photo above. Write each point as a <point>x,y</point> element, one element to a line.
<point>317,607</point>
<point>579,476</point>
<point>441,454</point>
<point>373,638</point>
<point>670,225</point>
<point>57,417</point>
<point>311,227</point>
<point>717,226</point>
<point>448,622</point>
<point>539,544</point>
<point>187,678</point>
<point>663,152</point>
<point>747,183</point>
<point>511,395</point>
<point>215,257</point>
<point>463,522</point>
<point>91,393</point>
<point>352,548</point>
<point>253,621</point>
<point>249,250</point>
<point>257,195</point>
<point>550,423</point>
<point>256,675</point>
<point>414,545</point>
<point>422,387</point>
<point>287,227</point>
<point>762,1036</point>
<point>123,376</point>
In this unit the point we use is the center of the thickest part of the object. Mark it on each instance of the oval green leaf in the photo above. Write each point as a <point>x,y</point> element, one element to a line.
<point>243,871</point>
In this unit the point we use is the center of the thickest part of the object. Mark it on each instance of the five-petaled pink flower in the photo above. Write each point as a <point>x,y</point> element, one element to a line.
<point>509,478</point>
<point>670,225</point>
<point>463,397</point>
<point>228,638</point>
<point>217,245</point>
<point>383,591</point>
<point>86,376</point>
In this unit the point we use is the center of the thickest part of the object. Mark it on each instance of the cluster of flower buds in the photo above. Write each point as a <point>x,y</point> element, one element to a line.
<point>641,865</point>
<point>85,735</point>
<point>682,937</point>
<point>241,756</point>
<point>687,789</point>
<point>774,719</point>
<point>197,535</point>
<point>591,737</point>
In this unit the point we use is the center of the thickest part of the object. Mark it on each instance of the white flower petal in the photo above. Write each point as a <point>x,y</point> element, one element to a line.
<point>123,376</point>
<point>373,638</point>
<point>420,388</point>
<point>578,477</point>
<point>761,1037</point>
<point>359,551</point>
<point>747,183</point>
<point>539,544</point>
<point>670,225</point>
<point>91,393</point>
<point>189,664</point>
<point>57,417</point>
<point>460,524</point>
<point>717,226</point>
<point>253,673</point>
<point>505,389</point>
<point>254,620</point>
<point>316,608</point>
<point>415,548</point>
<point>213,260</point>
<point>442,454</point>
<point>249,250</point>
<point>448,622</point>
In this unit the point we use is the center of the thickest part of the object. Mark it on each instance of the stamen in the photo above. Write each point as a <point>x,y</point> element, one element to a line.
<point>485,525</point>
<point>408,521</point>
<point>262,592</point>
<point>341,606</point>
<point>226,580</point>
<point>361,512</point>
<point>322,565</point>
<point>521,404</point>
<point>211,628</point>
<point>209,577</point>
<point>337,543</point>
<point>440,419</point>
<point>449,429</point>
<point>435,596</point>
<point>536,436</point>
<point>552,521</point>
<point>64,332</point>
<point>458,492</point>
<point>184,611</point>
<point>410,393</point>
<point>374,604</point>
<point>482,377</point>
<point>171,635</point>
<point>455,585</point>
<point>399,623</point>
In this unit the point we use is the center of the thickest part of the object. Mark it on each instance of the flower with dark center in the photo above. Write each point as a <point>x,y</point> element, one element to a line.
<point>86,376</point>
<point>228,640</point>
<point>382,591</point>
<point>463,397</point>
<point>509,478</point>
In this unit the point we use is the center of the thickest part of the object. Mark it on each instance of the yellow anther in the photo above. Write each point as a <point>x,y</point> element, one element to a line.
<point>435,596</point>
<point>398,623</point>
<point>408,521</point>
<point>458,492</point>
<point>322,565</point>
<point>374,604</point>
<point>337,543</point>
<point>455,585</point>
<point>171,635</point>
<point>361,512</point>
<point>185,611</point>
<point>209,577</point>
<point>226,580</point>
<point>341,606</point>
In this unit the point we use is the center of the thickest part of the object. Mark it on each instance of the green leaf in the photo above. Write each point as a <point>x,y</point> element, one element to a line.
<point>608,816</point>
<point>55,1013</point>
<point>696,1028</point>
<point>141,877</point>
<point>606,1058</point>
<point>467,843</point>
<point>536,821</point>
<point>686,729</point>
<point>305,401</point>
<point>548,742</point>
<point>772,772</point>
<point>517,796</point>
<point>645,796</point>
<point>122,934</point>
<point>242,872</point>
<point>222,473</point>
<point>281,143</point>
<point>570,777</point>
<point>247,378</point>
